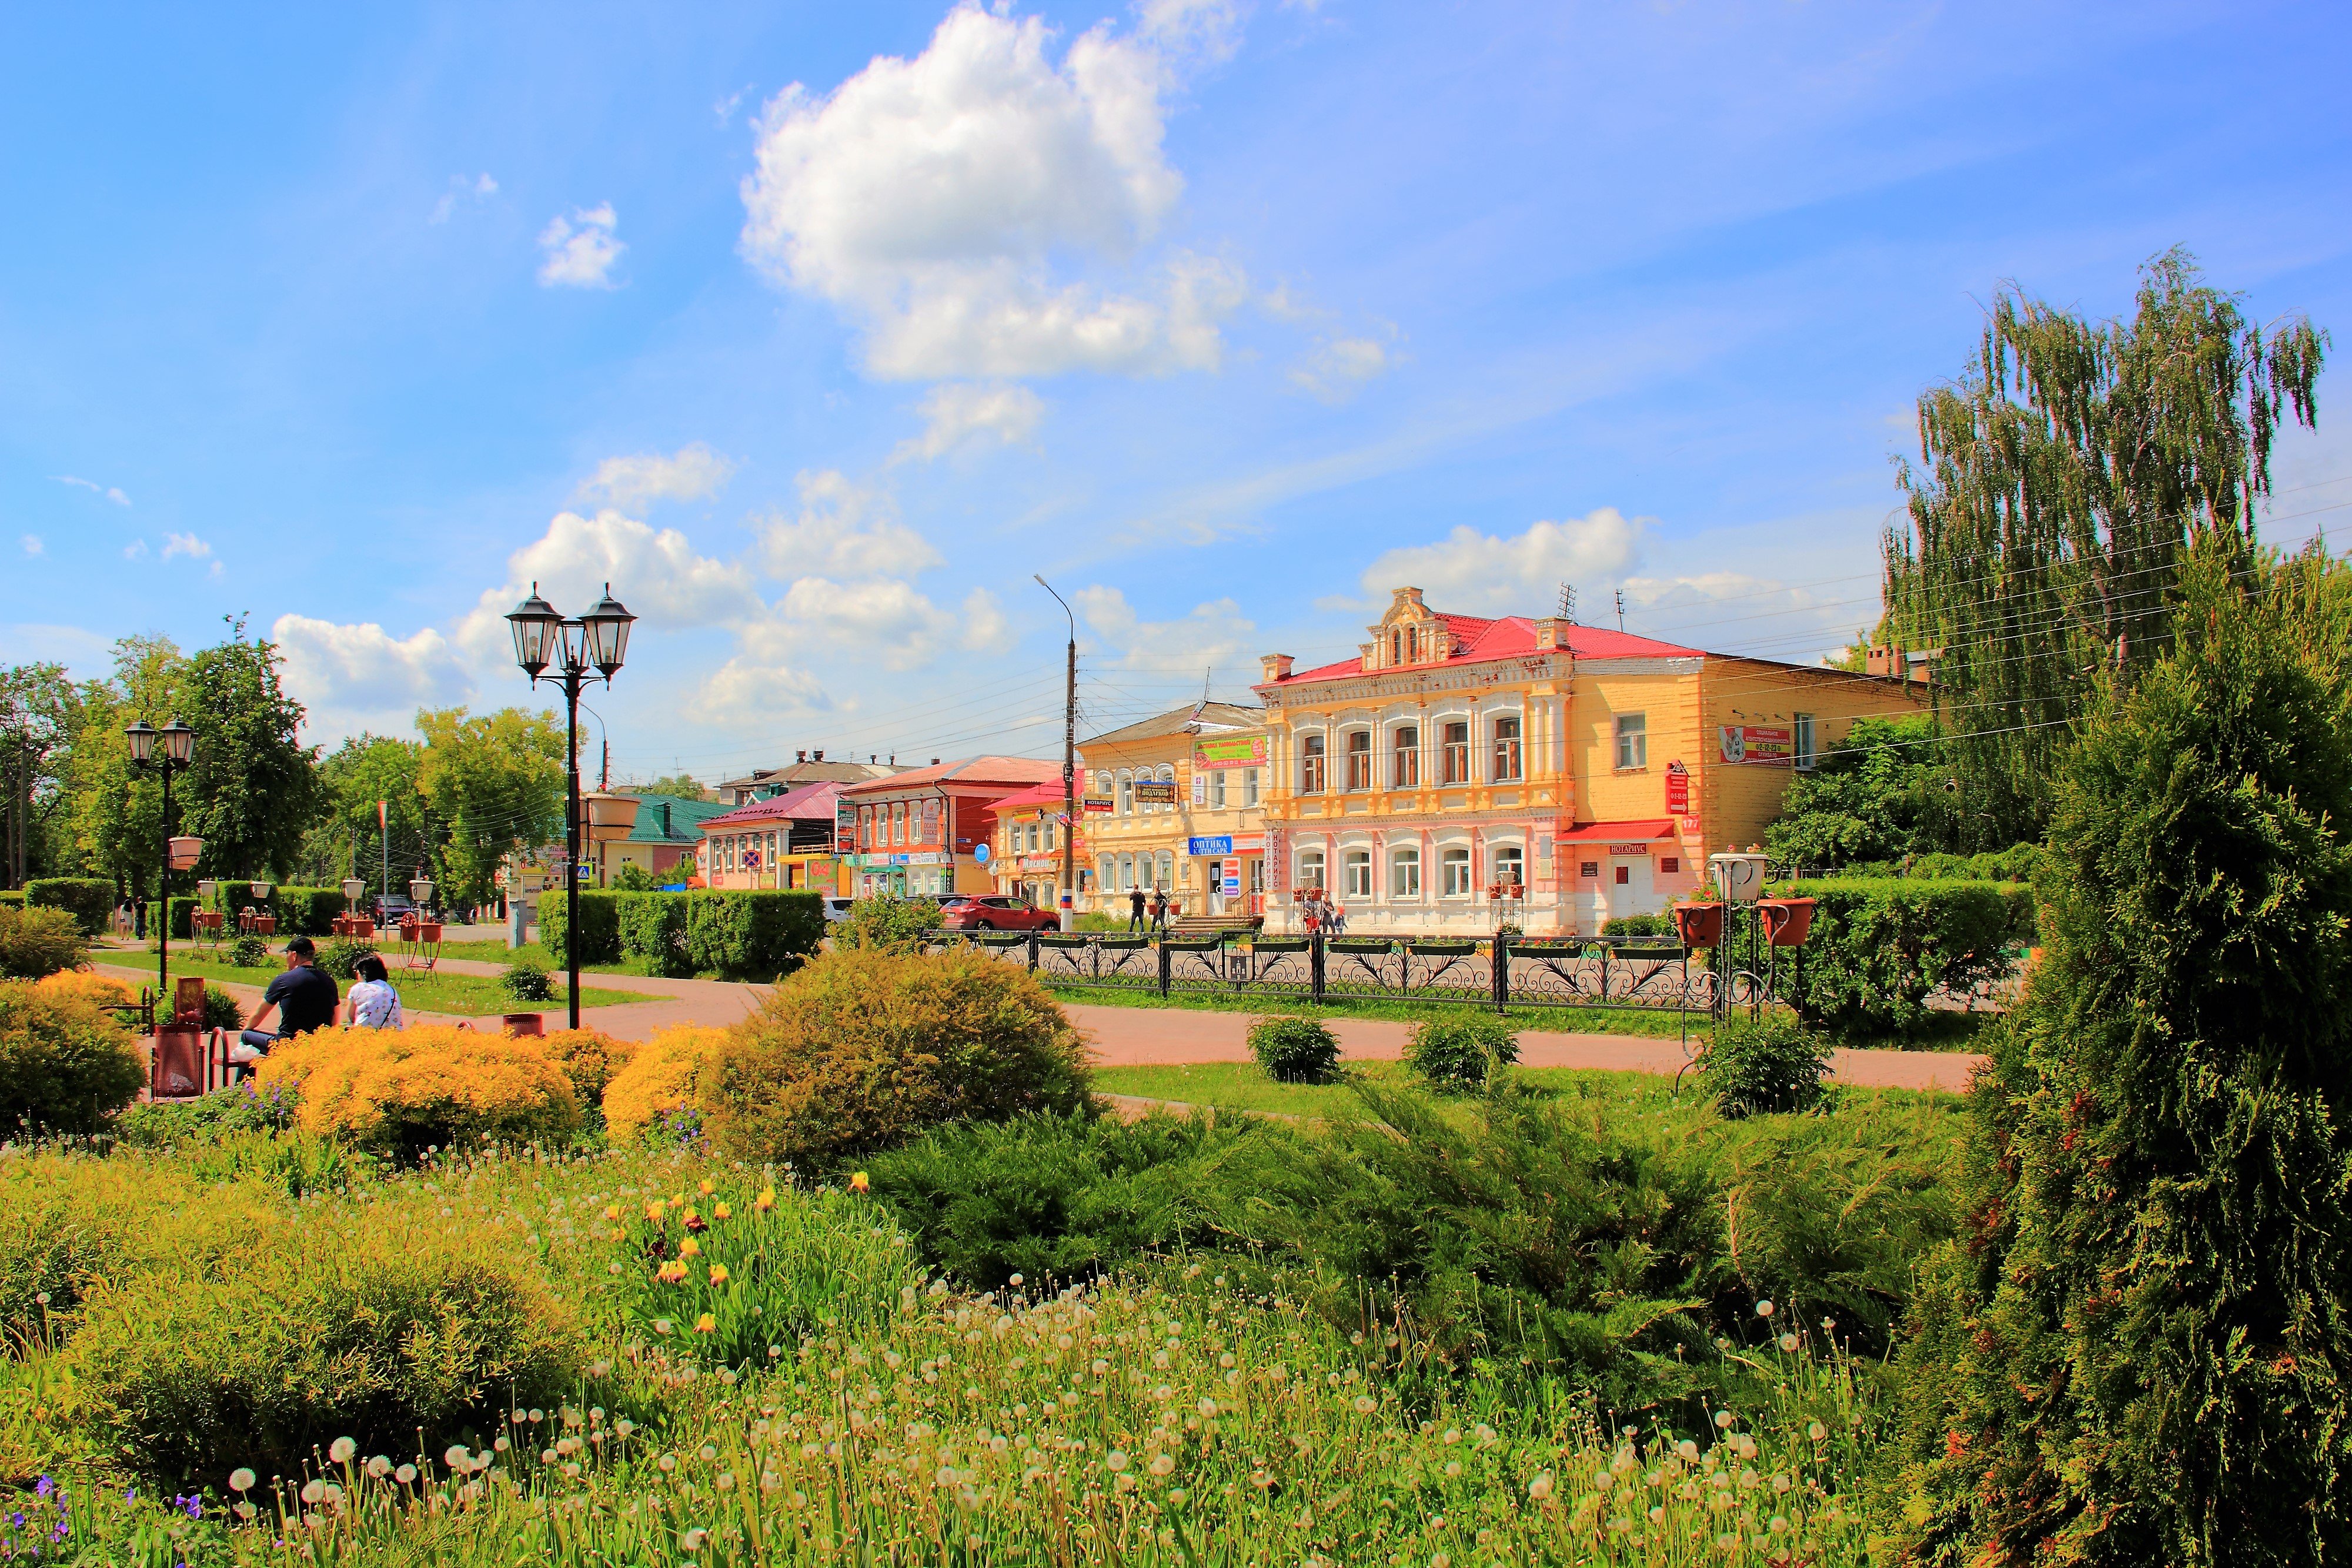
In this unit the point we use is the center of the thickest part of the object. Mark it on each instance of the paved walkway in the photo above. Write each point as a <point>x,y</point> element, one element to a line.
<point>1167,1037</point>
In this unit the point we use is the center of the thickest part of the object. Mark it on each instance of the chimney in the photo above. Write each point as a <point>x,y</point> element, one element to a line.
<point>1274,667</point>
<point>818,755</point>
<point>1547,632</point>
<point>800,757</point>
<point>935,762</point>
<point>871,759</point>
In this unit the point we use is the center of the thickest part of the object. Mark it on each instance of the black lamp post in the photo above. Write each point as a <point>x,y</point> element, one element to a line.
<point>179,747</point>
<point>542,639</point>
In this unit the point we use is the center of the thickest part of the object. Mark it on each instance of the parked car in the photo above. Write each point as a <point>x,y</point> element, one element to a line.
<point>835,907</point>
<point>391,906</point>
<point>998,913</point>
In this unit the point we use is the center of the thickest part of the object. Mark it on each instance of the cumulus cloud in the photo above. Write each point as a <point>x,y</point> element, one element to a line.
<point>959,412</point>
<point>885,619</point>
<point>187,545</point>
<point>1214,634</point>
<point>746,690</point>
<point>664,580</point>
<point>135,551</point>
<point>932,199</point>
<point>353,677</point>
<point>984,629</point>
<point>691,473</point>
<point>1483,574</point>
<point>477,187</point>
<point>581,250</point>
<point>111,492</point>
<point>844,528</point>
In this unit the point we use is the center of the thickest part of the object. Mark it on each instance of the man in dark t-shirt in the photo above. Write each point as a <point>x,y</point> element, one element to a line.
<point>304,998</point>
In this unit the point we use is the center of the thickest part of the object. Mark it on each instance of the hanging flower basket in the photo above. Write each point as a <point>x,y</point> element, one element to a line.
<point>1786,920</point>
<point>184,851</point>
<point>1699,925</point>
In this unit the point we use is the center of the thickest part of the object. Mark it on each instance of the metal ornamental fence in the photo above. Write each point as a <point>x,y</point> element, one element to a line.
<point>1637,973</point>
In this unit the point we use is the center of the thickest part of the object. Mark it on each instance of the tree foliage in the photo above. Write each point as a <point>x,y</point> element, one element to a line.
<point>252,788</point>
<point>1883,792</point>
<point>2143,1352</point>
<point>346,841</point>
<point>2062,477</point>
<point>496,783</point>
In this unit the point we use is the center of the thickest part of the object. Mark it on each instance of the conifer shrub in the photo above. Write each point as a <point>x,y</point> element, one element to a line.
<point>403,1092</point>
<point>2142,1353</point>
<point>38,942</point>
<point>864,1048</point>
<point>1768,1063</point>
<point>656,1089</point>
<point>1462,1050</point>
<point>1880,947</point>
<point>524,981</point>
<point>1294,1049</point>
<point>66,1066</point>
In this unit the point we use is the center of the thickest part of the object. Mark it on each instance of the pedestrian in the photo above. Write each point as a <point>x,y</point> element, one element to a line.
<point>1337,922</point>
<point>304,998</point>
<point>1310,911</point>
<point>1160,910</point>
<point>373,1003</point>
<point>1134,909</point>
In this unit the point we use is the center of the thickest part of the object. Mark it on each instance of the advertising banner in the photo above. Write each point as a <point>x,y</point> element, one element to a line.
<point>1762,744</point>
<point>1213,844</point>
<point>1155,791</point>
<point>1677,789</point>
<point>844,827</point>
<point>1229,751</point>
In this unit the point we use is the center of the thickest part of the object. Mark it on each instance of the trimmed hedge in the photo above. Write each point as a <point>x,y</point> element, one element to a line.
<point>89,899</point>
<point>740,936</point>
<point>311,911</point>
<point>1879,946</point>
<point>14,895</point>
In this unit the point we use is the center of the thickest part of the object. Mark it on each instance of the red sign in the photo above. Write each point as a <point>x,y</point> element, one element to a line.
<point>1677,789</point>
<point>1754,743</point>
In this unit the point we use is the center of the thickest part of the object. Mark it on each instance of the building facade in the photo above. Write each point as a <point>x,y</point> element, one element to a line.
<point>805,767</point>
<point>1182,799</point>
<point>1462,771</point>
<point>664,841</point>
<point>913,834</point>
<point>784,841</point>
<point>1025,854</point>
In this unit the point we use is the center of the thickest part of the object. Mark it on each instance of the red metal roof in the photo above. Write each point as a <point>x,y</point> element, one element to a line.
<point>1644,832</point>
<point>1049,793</point>
<point>1512,636</point>
<point>810,800</point>
<point>979,773</point>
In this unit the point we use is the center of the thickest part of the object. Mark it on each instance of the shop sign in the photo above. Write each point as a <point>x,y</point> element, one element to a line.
<point>1100,803</point>
<point>1155,791</point>
<point>1229,751</point>
<point>1629,849</point>
<point>845,826</point>
<point>1765,745</point>
<point>1677,789</point>
<point>1040,863</point>
<point>1249,843</point>
<point>980,853</point>
<point>1231,885</point>
<point>1200,789</point>
<point>1215,844</point>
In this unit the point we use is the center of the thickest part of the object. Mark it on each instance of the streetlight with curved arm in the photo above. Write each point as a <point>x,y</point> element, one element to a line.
<point>1070,768</point>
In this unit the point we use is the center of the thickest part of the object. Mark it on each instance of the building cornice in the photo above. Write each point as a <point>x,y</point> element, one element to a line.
<point>1409,683</point>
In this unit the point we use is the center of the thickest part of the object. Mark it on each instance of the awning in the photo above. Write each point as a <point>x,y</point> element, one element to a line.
<point>1642,832</point>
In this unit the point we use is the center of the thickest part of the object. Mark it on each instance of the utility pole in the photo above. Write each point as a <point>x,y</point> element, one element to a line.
<point>1621,610</point>
<point>1069,766</point>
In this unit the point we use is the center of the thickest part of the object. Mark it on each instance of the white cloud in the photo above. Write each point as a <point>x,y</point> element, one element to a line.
<point>581,250</point>
<point>692,472</point>
<point>884,619</point>
<point>959,412</point>
<point>745,690</point>
<point>1481,574</point>
<point>94,488</point>
<point>656,573</point>
<point>985,629</point>
<point>1216,634</point>
<point>353,677</point>
<point>135,551</point>
<point>32,543</point>
<point>479,187</point>
<point>932,199</point>
<point>844,528</point>
<point>1209,29</point>
<point>1338,365</point>
<point>724,109</point>
<point>187,545</point>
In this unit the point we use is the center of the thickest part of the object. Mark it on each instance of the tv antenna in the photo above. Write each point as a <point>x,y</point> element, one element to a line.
<point>1567,602</point>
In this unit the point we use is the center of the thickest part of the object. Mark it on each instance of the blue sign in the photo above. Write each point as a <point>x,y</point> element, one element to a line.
<point>1220,844</point>
<point>980,853</point>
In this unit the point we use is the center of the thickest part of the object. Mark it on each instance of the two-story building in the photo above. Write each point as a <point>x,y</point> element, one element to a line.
<point>912,835</point>
<point>780,840</point>
<point>1026,853</point>
<point>664,841</point>
<point>1185,793</point>
<point>1586,771</point>
<point>805,767</point>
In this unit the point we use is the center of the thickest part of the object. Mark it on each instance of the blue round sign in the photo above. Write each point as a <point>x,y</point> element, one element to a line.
<point>980,853</point>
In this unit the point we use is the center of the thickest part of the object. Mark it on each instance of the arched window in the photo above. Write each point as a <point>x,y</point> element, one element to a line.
<point>1311,762</point>
<point>1310,868</point>
<point>1126,793</point>
<point>1510,865</point>
<point>1125,873</point>
<point>1508,762</point>
<point>1168,776</point>
<point>1106,873</point>
<point>1405,872</point>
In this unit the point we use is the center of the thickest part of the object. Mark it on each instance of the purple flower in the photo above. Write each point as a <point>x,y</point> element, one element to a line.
<point>44,1487</point>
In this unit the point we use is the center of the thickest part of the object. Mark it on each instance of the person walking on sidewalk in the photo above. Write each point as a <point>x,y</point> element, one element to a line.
<point>1159,911</point>
<point>1135,909</point>
<point>304,998</point>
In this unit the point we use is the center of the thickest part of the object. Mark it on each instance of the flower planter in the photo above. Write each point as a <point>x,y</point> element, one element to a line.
<point>524,1023</point>
<point>1699,925</point>
<point>1786,920</point>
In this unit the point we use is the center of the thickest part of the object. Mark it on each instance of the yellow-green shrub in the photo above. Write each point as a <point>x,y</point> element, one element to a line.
<point>65,1066</point>
<point>589,1058</point>
<point>88,984</point>
<point>405,1091</point>
<point>865,1047</point>
<point>659,1080</point>
<point>370,1328</point>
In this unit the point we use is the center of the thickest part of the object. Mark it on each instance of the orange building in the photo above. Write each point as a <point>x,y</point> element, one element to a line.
<point>913,833</point>
<point>1589,772</point>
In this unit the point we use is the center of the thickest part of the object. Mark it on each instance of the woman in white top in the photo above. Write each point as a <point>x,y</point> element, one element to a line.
<point>373,1003</point>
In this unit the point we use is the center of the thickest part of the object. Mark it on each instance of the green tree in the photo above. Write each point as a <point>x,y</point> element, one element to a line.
<point>682,785</point>
<point>2062,477</point>
<point>117,811</point>
<point>34,700</point>
<point>496,783</point>
<point>2143,1351</point>
<point>252,789</point>
<point>347,841</point>
<point>1884,791</point>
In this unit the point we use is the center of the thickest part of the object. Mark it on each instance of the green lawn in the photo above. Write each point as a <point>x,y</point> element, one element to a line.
<point>1243,1086</point>
<point>533,952</point>
<point>470,995</point>
<point>1656,1025</point>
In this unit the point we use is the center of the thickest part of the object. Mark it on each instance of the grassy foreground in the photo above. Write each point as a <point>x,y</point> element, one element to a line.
<point>466,995</point>
<point>1188,1416</point>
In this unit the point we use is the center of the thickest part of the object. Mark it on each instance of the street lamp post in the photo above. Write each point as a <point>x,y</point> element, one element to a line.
<point>179,747</point>
<point>1070,768</point>
<point>600,639</point>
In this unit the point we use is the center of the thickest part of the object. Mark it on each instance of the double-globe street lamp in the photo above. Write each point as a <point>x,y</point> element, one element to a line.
<point>179,750</point>
<point>543,638</point>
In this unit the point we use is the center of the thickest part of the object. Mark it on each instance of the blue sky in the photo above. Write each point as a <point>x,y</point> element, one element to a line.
<point>819,329</point>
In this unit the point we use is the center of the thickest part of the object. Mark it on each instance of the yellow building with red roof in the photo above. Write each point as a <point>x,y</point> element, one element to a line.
<point>1463,771</point>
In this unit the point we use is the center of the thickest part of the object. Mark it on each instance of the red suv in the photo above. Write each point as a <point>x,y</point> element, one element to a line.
<point>994,914</point>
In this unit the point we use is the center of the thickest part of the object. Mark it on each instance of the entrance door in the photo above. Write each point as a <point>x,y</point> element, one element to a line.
<point>1629,889</point>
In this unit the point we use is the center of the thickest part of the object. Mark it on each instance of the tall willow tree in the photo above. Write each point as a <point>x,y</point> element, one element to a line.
<point>2063,479</point>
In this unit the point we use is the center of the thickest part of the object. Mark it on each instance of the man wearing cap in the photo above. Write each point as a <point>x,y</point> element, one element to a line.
<point>304,997</point>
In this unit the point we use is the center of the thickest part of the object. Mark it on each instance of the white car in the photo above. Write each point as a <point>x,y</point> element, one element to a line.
<point>835,908</point>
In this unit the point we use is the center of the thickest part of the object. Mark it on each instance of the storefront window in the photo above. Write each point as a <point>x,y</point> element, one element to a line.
<point>1454,753</point>
<point>1453,873</point>
<point>1405,754</point>
<point>1404,872</point>
<point>1507,750</point>
<point>1311,761</point>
